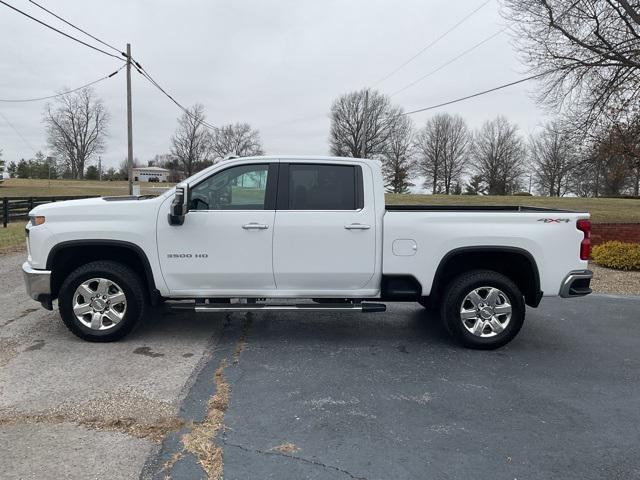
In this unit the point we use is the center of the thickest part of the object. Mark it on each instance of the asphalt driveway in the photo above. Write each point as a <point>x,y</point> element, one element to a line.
<point>320,396</point>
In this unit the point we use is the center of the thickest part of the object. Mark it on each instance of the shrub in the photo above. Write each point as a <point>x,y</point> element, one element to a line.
<point>619,255</point>
<point>522,194</point>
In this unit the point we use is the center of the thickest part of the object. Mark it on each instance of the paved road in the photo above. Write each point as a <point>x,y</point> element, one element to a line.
<point>321,396</point>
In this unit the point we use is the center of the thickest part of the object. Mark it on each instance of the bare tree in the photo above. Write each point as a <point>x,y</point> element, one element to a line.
<point>397,159</point>
<point>456,147</point>
<point>498,156</point>
<point>361,123</point>
<point>590,49</point>
<point>429,144</point>
<point>553,158</point>
<point>610,171</point>
<point>626,133</point>
<point>610,162</point>
<point>236,139</point>
<point>191,144</point>
<point>612,168</point>
<point>76,126</point>
<point>442,146</point>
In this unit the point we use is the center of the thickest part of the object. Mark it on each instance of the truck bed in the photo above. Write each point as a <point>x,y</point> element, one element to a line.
<point>472,208</point>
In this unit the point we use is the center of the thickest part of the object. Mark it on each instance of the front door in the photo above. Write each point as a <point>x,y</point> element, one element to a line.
<point>325,235</point>
<point>225,243</point>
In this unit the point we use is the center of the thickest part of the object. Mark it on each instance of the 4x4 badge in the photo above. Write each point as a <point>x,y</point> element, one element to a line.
<point>554,220</point>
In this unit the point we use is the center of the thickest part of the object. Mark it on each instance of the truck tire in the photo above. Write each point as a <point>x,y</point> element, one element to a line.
<point>483,309</point>
<point>102,301</point>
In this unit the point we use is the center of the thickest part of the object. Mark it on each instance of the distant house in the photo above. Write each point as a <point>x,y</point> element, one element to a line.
<point>150,174</point>
<point>3,173</point>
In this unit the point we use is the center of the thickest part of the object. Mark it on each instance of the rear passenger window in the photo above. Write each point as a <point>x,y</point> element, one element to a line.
<point>322,187</point>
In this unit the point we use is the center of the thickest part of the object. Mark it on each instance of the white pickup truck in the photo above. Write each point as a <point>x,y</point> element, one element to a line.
<point>255,233</point>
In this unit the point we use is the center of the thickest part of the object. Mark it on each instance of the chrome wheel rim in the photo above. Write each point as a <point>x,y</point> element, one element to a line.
<point>99,303</point>
<point>485,312</point>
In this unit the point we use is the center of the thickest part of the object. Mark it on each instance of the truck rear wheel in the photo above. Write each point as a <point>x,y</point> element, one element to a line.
<point>102,301</point>
<point>483,309</point>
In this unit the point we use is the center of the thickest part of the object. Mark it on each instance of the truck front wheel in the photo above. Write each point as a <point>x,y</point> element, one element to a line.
<point>102,301</point>
<point>483,309</point>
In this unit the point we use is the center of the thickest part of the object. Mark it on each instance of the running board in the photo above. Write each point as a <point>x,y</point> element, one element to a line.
<point>299,307</point>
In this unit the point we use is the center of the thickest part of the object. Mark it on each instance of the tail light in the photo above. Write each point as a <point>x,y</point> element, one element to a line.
<point>584,226</point>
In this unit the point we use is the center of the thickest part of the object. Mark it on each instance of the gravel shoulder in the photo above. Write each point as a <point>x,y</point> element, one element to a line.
<point>614,282</point>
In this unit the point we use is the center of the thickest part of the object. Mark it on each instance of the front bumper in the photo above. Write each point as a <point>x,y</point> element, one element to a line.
<point>576,284</point>
<point>38,284</point>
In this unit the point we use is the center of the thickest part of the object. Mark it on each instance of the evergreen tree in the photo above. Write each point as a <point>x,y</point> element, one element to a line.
<point>12,170</point>
<point>92,173</point>
<point>476,186</point>
<point>23,170</point>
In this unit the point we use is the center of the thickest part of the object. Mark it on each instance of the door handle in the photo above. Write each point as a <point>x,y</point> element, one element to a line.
<point>357,226</point>
<point>255,226</point>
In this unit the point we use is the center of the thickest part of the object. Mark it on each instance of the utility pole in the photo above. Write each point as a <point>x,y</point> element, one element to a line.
<point>129,127</point>
<point>99,168</point>
<point>50,160</point>
<point>363,149</point>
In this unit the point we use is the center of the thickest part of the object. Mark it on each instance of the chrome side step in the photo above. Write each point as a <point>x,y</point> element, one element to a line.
<point>297,307</point>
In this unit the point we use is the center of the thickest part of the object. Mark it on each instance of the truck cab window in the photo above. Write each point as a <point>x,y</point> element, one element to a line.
<point>239,188</point>
<point>322,187</point>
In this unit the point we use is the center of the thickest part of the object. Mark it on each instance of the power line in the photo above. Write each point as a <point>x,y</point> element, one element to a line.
<point>449,62</point>
<point>136,64</point>
<point>149,78</point>
<point>431,44</point>
<point>484,92</point>
<point>477,94</point>
<point>24,100</point>
<point>77,28</point>
<point>142,71</point>
<point>60,31</point>
<point>499,87</point>
<point>17,132</point>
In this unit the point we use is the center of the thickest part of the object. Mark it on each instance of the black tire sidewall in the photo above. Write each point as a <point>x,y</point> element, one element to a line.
<point>426,303</point>
<point>460,287</point>
<point>126,279</point>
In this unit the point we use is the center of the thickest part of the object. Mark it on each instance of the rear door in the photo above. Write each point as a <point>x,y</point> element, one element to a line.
<point>325,234</point>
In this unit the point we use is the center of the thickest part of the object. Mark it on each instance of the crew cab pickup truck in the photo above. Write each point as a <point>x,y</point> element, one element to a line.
<point>300,233</point>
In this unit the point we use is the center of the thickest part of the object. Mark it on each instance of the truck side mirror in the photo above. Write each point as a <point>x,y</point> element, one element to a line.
<point>179,205</point>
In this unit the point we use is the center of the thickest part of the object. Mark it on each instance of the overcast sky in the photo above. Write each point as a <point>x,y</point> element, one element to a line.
<point>275,64</point>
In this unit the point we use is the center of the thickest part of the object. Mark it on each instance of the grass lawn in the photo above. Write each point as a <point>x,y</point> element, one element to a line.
<point>22,187</point>
<point>12,238</point>
<point>602,210</point>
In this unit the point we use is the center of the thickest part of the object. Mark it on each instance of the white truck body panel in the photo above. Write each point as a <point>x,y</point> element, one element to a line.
<point>131,221</point>
<point>226,258</point>
<point>304,254</point>
<point>314,252</point>
<point>553,245</point>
